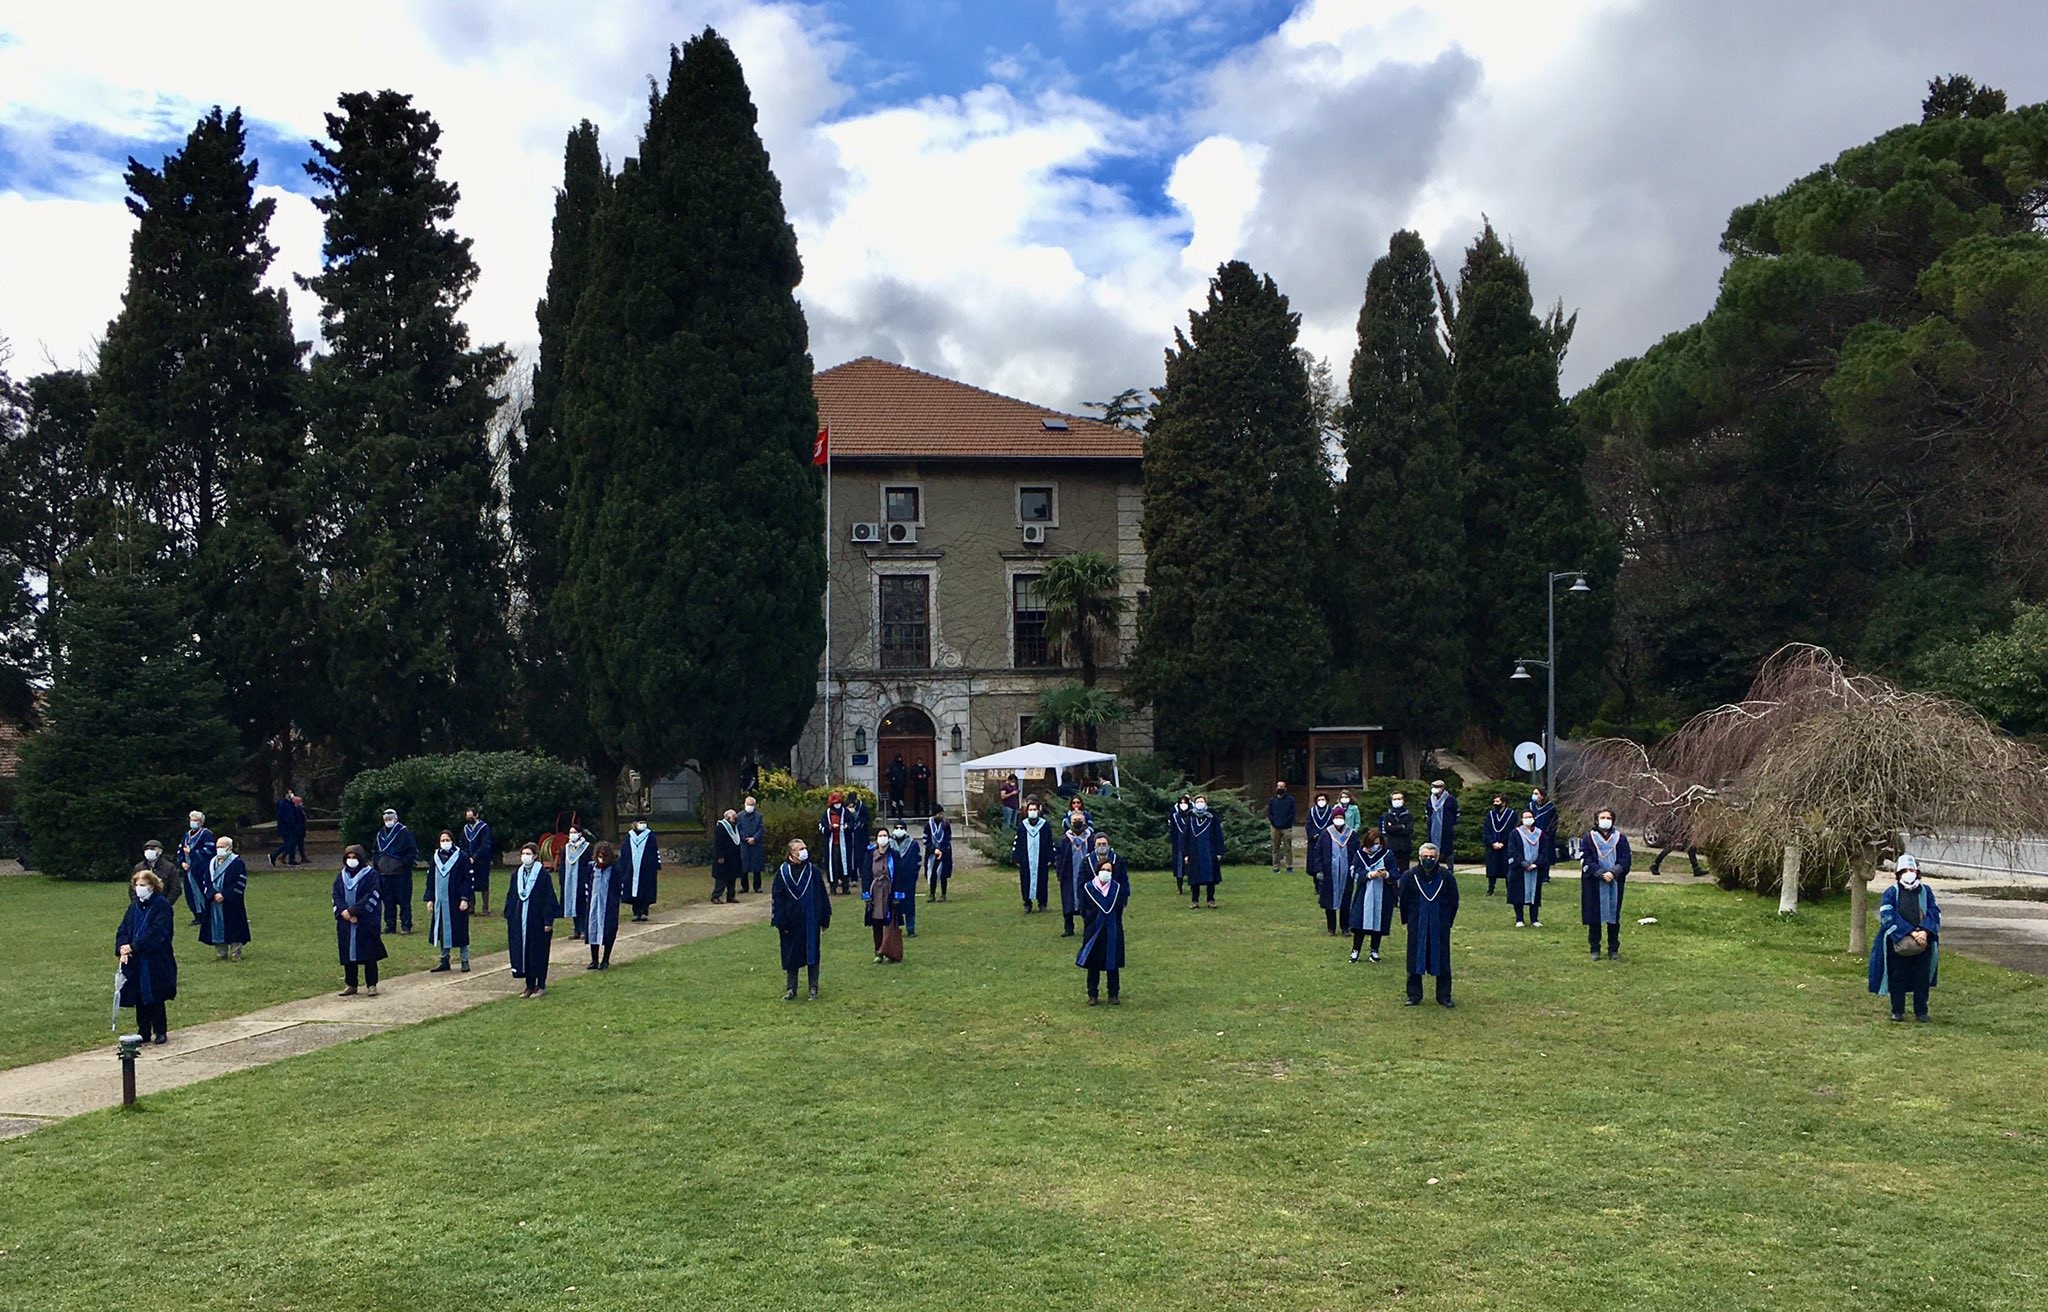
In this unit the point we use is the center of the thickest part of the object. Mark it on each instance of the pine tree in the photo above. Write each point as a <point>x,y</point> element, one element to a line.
<point>198,425</point>
<point>694,564</point>
<point>1401,513</point>
<point>554,720</point>
<point>1527,512</point>
<point>47,497</point>
<point>413,635</point>
<point>1236,494</point>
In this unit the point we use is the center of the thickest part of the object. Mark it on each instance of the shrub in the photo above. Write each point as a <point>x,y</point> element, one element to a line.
<point>1135,818</point>
<point>782,786</point>
<point>521,795</point>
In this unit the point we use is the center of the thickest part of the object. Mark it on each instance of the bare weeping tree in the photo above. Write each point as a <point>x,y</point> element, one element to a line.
<point>1819,772</point>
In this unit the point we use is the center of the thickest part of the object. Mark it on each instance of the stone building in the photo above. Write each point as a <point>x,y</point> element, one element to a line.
<point>946,503</point>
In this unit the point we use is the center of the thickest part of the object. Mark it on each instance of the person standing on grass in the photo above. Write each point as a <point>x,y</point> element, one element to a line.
<point>1496,830</point>
<point>601,917</point>
<point>1375,888</point>
<point>1103,899</point>
<point>170,879</point>
<point>938,856</point>
<point>843,843</point>
<point>223,890</point>
<point>1105,855</point>
<point>1905,953</point>
<point>575,872</point>
<point>358,921</point>
<point>1203,853</point>
<point>1280,819</point>
<point>1545,812</point>
<point>1317,824</point>
<point>1337,854</point>
<point>449,888</point>
<point>725,857</point>
<point>1177,822</point>
<point>149,964</point>
<point>195,849</point>
<point>480,845</point>
<point>1070,858</point>
<point>1031,849</point>
<point>1397,828</point>
<point>397,853</point>
<point>753,846</point>
<point>531,909</point>
<point>1352,815</point>
<point>1528,870</point>
<point>906,862</point>
<point>801,911</point>
<point>1603,877</point>
<point>878,895</point>
<point>641,854</point>
<point>1442,822</point>
<point>1429,907</point>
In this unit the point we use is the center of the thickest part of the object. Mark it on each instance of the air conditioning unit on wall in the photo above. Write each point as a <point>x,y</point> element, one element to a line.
<point>1034,535</point>
<point>903,534</point>
<point>867,532</point>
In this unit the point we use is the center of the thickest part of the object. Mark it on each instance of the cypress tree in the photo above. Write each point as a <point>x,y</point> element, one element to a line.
<point>198,426</point>
<point>1236,496</point>
<point>413,634</point>
<point>49,494</point>
<point>694,562</point>
<point>1401,513</point>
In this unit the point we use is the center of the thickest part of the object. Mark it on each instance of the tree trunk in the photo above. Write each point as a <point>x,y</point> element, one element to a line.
<point>721,779</point>
<point>1788,883</point>
<point>606,771</point>
<point>1084,646</point>
<point>1859,911</point>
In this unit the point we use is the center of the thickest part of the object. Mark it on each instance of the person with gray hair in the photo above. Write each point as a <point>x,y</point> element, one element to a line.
<point>1905,953</point>
<point>397,853</point>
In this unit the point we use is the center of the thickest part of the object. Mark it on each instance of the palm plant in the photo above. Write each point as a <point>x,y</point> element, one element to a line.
<point>1084,602</point>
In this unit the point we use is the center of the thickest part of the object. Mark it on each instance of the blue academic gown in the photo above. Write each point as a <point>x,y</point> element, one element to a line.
<point>289,819</point>
<point>1441,824</point>
<point>449,885</point>
<point>195,849</point>
<point>1118,871</point>
<point>1102,919</point>
<point>1177,839</point>
<point>641,863</point>
<point>753,842</point>
<point>800,908</point>
<point>1495,827</point>
<point>1600,901</point>
<point>1202,854</point>
<point>575,873</point>
<point>1318,824</point>
<point>530,921</point>
<point>1331,891</point>
<point>1369,905</point>
<point>152,970</point>
<point>606,890</point>
<point>364,940</point>
<point>1546,820</point>
<point>1527,877</point>
<point>938,851</point>
<point>1032,850</point>
<point>225,922</point>
<point>1429,907</point>
<point>480,845</point>
<point>1073,856</point>
<point>1894,924</point>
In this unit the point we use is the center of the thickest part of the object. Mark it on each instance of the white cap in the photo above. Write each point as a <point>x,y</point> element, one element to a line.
<point>1906,861</point>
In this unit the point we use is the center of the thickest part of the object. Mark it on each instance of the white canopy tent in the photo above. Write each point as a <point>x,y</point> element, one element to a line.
<point>1038,756</point>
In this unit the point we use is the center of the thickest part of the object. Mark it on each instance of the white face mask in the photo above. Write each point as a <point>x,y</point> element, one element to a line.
<point>1399,802</point>
<point>1606,823</point>
<point>526,860</point>
<point>1435,791</point>
<point>639,826</point>
<point>391,823</point>
<point>750,808</point>
<point>575,837</point>
<point>1183,806</point>
<point>224,851</point>
<point>351,863</point>
<point>1910,880</point>
<point>1201,806</point>
<point>447,846</point>
<point>1337,823</point>
<point>151,853</point>
<point>803,854</point>
<point>142,892</point>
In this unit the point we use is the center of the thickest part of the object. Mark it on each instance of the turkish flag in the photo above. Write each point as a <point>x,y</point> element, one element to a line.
<point>822,452</point>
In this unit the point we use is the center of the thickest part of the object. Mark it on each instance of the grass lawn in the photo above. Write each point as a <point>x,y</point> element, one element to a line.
<point>1723,1119</point>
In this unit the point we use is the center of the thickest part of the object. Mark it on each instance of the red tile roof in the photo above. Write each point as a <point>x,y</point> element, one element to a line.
<point>876,409</point>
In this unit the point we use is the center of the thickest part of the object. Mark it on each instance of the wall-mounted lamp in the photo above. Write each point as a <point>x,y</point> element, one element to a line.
<point>956,738</point>
<point>860,740</point>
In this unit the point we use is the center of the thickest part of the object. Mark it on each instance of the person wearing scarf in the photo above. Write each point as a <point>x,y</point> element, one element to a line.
<point>531,909</point>
<point>223,886</point>
<point>905,860</point>
<point>1375,888</point>
<point>1545,812</point>
<point>1317,822</point>
<point>397,853</point>
<point>1335,852</point>
<point>878,896</point>
<point>144,946</point>
<point>449,888</point>
<point>1203,853</point>
<point>1528,870</point>
<point>1070,858</point>
<point>1442,822</point>
<point>641,854</point>
<point>1177,821</point>
<point>1103,898</point>
<point>1429,907</point>
<point>1496,828</point>
<point>195,849</point>
<point>480,845</point>
<point>753,845</point>
<point>575,874</point>
<point>1905,953</point>
<point>1603,877</point>
<point>725,857</point>
<point>836,830</point>
<point>601,916</point>
<point>358,920</point>
<point>938,855</point>
<point>801,911</point>
<point>1031,849</point>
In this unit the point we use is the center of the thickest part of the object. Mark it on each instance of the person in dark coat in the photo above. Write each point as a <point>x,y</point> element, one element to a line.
<point>1104,854</point>
<point>641,855</point>
<point>921,789</point>
<point>1496,827</point>
<point>297,855</point>
<point>906,862</point>
<point>1103,899</point>
<point>725,857</point>
<point>801,911</point>
<point>575,875</point>
<point>878,897</point>
<point>397,853</point>
<point>1177,822</point>
<point>1905,953</point>
<point>1603,877</point>
<point>1202,853</point>
<point>899,780</point>
<point>1440,822</point>
<point>841,844</point>
<point>1528,870</point>
<point>358,921</point>
<point>1429,907</point>
<point>1397,829</point>
<point>170,875</point>
<point>287,816</point>
<point>223,890</point>
<point>601,909</point>
<point>1375,889</point>
<point>531,909</point>
<point>1070,866</point>
<point>1317,823</point>
<point>1545,812</point>
<point>450,887</point>
<point>1335,852</point>
<point>938,856</point>
<point>144,946</point>
<point>753,844</point>
<point>1031,850</point>
<point>480,845</point>
<point>195,849</point>
<point>1280,815</point>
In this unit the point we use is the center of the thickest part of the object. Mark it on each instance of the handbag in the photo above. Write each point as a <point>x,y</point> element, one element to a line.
<point>1909,947</point>
<point>892,943</point>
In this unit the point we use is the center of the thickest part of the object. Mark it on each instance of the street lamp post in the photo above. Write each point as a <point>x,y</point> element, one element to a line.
<point>1549,664</point>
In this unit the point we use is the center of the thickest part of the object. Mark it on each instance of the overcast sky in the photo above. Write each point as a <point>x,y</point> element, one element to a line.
<point>1024,194</point>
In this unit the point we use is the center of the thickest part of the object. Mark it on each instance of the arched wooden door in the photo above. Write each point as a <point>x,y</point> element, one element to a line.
<point>907,734</point>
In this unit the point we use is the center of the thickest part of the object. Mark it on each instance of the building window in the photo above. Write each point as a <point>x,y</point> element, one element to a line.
<point>1383,762</point>
<point>1024,734</point>
<point>1035,505</point>
<point>1339,766</point>
<point>1292,757</point>
<point>1027,623</point>
<point>906,628</point>
<point>903,505</point>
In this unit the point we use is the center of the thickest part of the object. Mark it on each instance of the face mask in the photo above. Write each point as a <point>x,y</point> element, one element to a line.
<point>151,853</point>
<point>1399,802</point>
<point>1343,801</point>
<point>1031,814</point>
<point>1183,806</point>
<point>899,834</point>
<point>1201,806</point>
<point>1102,854</point>
<point>1434,789</point>
<point>750,808</point>
<point>447,846</point>
<point>1429,863</point>
<point>803,854</point>
<point>639,826</point>
<point>142,892</point>
<point>224,851</point>
<point>1536,799</point>
<point>1337,823</point>
<point>391,824</point>
<point>1528,822</point>
<point>526,860</point>
<point>351,863</point>
<point>1607,824</point>
<point>575,837</point>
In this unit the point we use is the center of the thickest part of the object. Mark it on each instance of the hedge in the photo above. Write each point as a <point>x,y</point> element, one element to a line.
<point>520,795</point>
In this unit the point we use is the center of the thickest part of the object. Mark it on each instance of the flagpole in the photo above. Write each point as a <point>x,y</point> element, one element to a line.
<point>831,751</point>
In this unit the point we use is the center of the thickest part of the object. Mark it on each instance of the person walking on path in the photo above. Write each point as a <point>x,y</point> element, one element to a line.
<point>1280,816</point>
<point>1429,907</point>
<point>1905,953</point>
<point>223,890</point>
<point>801,911</point>
<point>1604,861</point>
<point>531,909</point>
<point>358,921</point>
<point>145,947</point>
<point>397,853</point>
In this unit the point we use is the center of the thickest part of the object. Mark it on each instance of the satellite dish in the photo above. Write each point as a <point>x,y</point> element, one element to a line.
<point>1529,756</point>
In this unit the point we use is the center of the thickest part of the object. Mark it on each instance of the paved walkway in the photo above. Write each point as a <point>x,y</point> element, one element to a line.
<point>32,1096</point>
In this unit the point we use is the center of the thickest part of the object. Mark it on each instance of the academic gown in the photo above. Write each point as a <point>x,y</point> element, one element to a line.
<point>753,842</point>
<point>1397,831</point>
<point>1318,824</point>
<point>148,930</point>
<point>457,884</point>
<point>863,825</point>
<point>1520,868</point>
<point>1331,891</point>
<point>364,940</point>
<point>1118,871</point>
<point>1546,820</point>
<point>843,849</point>
<point>725,855</point>
<point>1072,857</point>
<point>800,908</point>
<point>1440,823</point>
<point>397,853</point>
<point>1369,903</point>
<point>195,849</point>
<point>530,920</point>
<point>643,862</point>
<point>1177,839</point>
<point>1894,923</point>
<point>1032,849</point>
<point>480,845</point>
<point>938,848</point>
<point>225,922</point>
<point>601,904</point>
<point>575,874</point>
<point>1102,919</point>
<point>1429,907</point>
<point>904,868</point>
<point>1202,855</point>
<point>1600,901</point>
<point>1495,827</point>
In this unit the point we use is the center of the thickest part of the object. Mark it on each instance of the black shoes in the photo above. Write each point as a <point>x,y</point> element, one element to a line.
<point>1411,1002</point>
<point>789,995</point>
<point>814,993</point>
<point>1096,1002</point>
<point>440,969</point>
